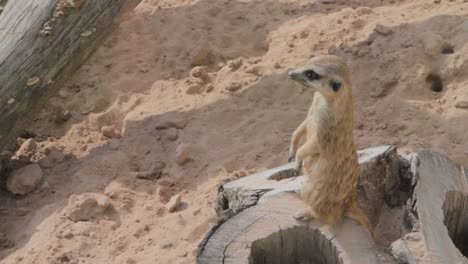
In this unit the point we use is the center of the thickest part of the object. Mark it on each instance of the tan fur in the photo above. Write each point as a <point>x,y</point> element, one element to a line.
<point>328,153</point>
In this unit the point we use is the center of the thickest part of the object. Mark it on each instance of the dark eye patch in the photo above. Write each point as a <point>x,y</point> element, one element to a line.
<point>335,85</point>
<point>311,75</point>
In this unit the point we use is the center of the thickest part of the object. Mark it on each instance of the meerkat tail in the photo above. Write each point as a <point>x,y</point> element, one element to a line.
<point>355,213</point>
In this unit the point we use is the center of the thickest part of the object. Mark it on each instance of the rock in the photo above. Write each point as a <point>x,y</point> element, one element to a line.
<point>383,30</point>
<point>364,10</point>
<point>153,173</point>
<point>110,132</point>
<point>87,206</point>
<point>63,117</point>
<point>174,203</point>
<point>200,55</point>
<point>195,88</point>
<point>209,88</point>
<point>234,65</point>
<point>165,244</point>
<point>234,86</point>
<point>24,180</point>
<point>461,103</point>
<point>182,154</point>
<point>27,148</point>
<point>255,70</point>
<point>399,250</point>
<point>53,156</point>
<point>172,134</point>
<point>200,72</point>
<point>165,124</point>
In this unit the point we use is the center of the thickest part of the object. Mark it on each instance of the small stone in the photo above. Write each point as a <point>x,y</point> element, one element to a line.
<point>174,203</point>
<point>437,1</point>
<point>234,86</point>
<point>460,103</point>
<point>27,148</point>
<point>63,117</point>
<point>234,65</point>
<point>209,88</point>
<point>182,154</point>
<point>363,10</point>
<point>165,244</point>
<point>53,156</point>
<point>24,180</point>
<point>11,101</point>
<point>200,72</point>
<point>110,132</point>
<point>399,250</point>
<point>172,134</point>
<point>33,81</point>
<point>200,55</point>
<point>130,261</point>
<point>68,235</point>
<point>383,30</point>
<point>277,65</point>
<point>62,93</point>
<point>177,123</point>
<point>195,88</point>
<point>86,33</point>
<point>327,1</point>
<point>255,70</point>
<point>86,207</point>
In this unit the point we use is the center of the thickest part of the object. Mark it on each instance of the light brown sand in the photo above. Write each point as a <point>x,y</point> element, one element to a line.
<point>139,80</point>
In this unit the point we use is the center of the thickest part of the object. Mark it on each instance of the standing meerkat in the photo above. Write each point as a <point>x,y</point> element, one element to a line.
<point>328,156</point>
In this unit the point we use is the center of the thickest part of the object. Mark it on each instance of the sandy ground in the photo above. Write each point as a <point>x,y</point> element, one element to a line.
<point>231,117</point>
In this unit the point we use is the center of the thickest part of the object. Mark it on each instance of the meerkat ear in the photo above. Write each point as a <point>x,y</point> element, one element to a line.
<point>335,85</point>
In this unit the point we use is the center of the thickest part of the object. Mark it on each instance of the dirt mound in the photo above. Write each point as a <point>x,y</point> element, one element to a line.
<point>210,76</point>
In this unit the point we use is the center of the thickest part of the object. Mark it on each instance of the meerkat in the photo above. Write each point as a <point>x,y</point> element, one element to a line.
<point>328,156</point>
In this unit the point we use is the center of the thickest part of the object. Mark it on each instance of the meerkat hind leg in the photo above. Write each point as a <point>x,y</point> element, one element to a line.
<point>304,214</point>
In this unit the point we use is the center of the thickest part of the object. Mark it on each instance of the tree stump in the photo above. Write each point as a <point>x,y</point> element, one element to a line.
<point>437,212</point>
<point>41,44</point>
<point>255,223</point>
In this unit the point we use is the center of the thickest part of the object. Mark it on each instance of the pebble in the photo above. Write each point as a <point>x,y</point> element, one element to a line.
<point>234,86</point>
<point>200,55</point>
<point>174,203</point>
<point>86,207</point>
<point>172,134</point>
<point>165,244</point>
<point>461,103</point>
<point>182,154</point>
<point>110,132</point>
<point>24,180</point>
<point>383,30</point>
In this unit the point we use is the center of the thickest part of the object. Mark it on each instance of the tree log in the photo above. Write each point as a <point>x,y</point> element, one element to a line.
<point>41,44</point>
<point>437,212</point>
<point>255,223</point>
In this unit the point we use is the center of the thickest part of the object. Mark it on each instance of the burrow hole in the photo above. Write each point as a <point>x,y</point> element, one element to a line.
<point>455,209</point>
<point>447,49</point>
<point>297,245</point>
<point>435,82</point>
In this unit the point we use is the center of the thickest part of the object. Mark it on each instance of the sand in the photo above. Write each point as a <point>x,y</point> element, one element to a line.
<point>171,129</point>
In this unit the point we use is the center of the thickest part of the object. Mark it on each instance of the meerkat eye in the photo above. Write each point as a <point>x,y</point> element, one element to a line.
<point>335,85</point>
<point>311,75</point>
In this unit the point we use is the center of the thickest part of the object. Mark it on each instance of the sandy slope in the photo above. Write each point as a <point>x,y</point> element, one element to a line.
<point>235,120</point>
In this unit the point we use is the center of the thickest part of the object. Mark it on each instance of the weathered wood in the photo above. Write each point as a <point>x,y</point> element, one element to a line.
<point>256,222</point>
<point>438,209</point>
<point>41,44</point>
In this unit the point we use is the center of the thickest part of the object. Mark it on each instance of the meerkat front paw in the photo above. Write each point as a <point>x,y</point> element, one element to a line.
<point>290,157</point>
<point>303,215</point>
<point>298,168</point>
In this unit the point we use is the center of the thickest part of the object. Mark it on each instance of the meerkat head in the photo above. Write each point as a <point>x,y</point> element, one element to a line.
<point>326,74</point>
